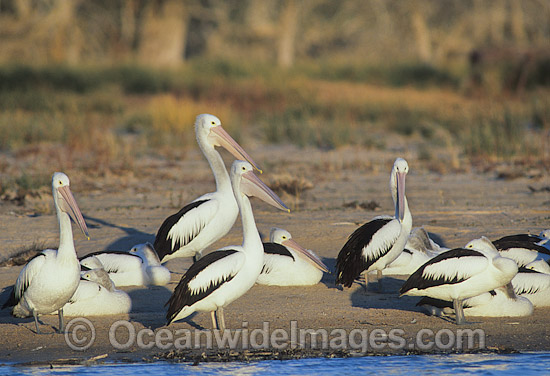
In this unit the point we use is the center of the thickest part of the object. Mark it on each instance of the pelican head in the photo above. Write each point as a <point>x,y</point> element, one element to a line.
<point>397,186</point>
<point>99,276</point>
<point>146,252</point>
<point>65,202</point>
<point>483,244</point>
<point>89,263</point>
<point>209,131</point>
<point>283,237</point>
<point>245,181</point>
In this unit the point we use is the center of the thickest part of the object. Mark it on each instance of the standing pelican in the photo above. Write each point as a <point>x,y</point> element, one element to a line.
<point>222,276</point>
<point>462,273</point>
<point>379,242</point>
<point>50,279</point>
<point>209,217</point>
<point>286,263</point>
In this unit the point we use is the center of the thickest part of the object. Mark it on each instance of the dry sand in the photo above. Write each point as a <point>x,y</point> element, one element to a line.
<point>125,210</point>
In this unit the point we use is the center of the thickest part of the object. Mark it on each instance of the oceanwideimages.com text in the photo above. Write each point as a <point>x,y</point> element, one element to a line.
<point>123,335</point>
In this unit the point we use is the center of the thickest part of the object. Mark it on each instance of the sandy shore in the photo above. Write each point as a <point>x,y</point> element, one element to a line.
<point>125,210</point>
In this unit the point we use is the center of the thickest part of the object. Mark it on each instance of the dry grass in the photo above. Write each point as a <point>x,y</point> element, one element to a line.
<point>102,125</point>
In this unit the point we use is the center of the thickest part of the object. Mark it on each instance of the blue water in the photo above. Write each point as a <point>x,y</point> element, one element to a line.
<point>483,364</point>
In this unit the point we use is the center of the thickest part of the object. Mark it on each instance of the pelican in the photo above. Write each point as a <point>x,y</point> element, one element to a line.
<point>50,279</point>
<point>222,276</point>
<point>543,239</point>
<point>96,295</point>
<point>140,266</point>
<point>462,273</point>
<point>209,217</point>
<point>495,303</point>
<point>523,251</point>
<point>418,249</point>
<point>533,283</point>
<point>377,243</point>
<point>286,263</point>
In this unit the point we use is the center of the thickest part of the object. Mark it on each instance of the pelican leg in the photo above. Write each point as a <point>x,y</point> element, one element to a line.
<point>214,323</point>
<point>35,315</point>
<point>366,281</point>
<point>379,276</point>
<point>61,322</point>
<point>220,318</point>
<point>459,312</point>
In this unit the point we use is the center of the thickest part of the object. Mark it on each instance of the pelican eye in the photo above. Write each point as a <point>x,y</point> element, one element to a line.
<point>60,182</point>
<point>213,123</point>
<point>244,168</point>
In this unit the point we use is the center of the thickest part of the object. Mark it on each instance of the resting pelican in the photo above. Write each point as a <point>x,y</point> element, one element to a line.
<point>222,276</point>
<point>50,279</point>
<point>419,249</point>
<point>140,266</point>
<point>96,295</point>
<point>495,303</point>
<point>377,243</point>
<point>533,283</point>
<point>462,273</point>
<point>542,239</point>
<point>209,217</point>
<point>286,263</point>
<point>523,248</point>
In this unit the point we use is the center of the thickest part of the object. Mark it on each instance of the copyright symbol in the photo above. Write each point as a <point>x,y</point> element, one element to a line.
<point>79,334</point>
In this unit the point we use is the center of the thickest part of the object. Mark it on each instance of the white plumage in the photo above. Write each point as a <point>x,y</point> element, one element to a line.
<point>208,218</point>
<point>379,242</point>
<point>140,266</point>
<point>419,249</point>
<point>286,263</point>
<point>96,295</point>
<point>220,277</point>
<point>50,279</point>
<point>496,303</point>
<point>533,283</point>
<point>461,273</point>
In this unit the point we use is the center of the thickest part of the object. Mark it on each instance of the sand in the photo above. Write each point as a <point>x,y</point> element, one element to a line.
<point>126,209</point>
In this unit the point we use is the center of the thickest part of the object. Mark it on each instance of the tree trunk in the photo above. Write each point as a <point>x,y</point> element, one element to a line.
<point>287,34</point>
<point>163,33</point>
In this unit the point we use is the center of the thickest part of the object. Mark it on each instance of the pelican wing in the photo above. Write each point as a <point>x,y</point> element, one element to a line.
<point>271,252</point>
<point>27,274</point>
<point>204,277</point>
<point>115,261</point>
<point>506,245</point>
<point>364,246</point>
<point>180,229</point>
<point>529,281</point>
<point>453,266</point>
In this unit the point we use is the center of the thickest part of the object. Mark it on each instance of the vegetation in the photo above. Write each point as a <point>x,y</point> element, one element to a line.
<point>94,84</point>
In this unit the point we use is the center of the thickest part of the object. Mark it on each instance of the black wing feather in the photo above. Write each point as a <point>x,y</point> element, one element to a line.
<point>183,296</point>
<point>503,245</point>
<point>351,263</point>
<point>277,249</point>
<point>533,239</point>
<point>163,245</point>
<point>417,280</point>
